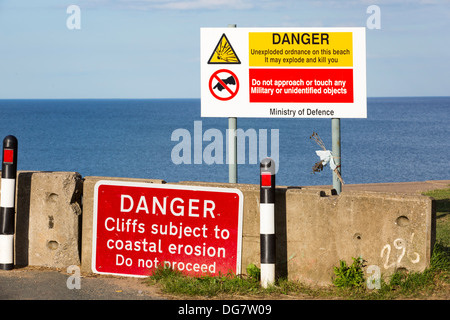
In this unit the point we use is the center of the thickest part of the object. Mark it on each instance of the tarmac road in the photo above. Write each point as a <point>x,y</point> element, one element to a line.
<point>32,283</point>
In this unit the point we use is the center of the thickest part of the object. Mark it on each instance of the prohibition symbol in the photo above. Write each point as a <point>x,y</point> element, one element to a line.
<point>223,85</point>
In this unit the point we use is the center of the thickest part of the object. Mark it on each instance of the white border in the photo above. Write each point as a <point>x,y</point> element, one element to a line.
<point>163,186</point>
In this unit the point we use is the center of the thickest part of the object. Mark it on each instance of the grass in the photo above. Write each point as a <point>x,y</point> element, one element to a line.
<point>175,282</point>
<point>433,283</point>
<point>442,197</point>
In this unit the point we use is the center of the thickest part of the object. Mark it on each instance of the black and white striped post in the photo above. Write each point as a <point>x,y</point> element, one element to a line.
<point>7,203</point>
<point>267,221</point>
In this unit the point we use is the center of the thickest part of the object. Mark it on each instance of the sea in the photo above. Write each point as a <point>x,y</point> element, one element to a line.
<point>402,139</point>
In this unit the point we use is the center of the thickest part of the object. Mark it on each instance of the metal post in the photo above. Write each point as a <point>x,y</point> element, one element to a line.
<point>232,144</point>
<point>267,221</point>
<point>232,150</point>
<point>336,150</point>
<point>7,202</point>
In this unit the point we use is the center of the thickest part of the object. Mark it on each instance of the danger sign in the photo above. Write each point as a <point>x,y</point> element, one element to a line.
<point>139,227</point>
<point>224,53</point>
<point>286,72</point>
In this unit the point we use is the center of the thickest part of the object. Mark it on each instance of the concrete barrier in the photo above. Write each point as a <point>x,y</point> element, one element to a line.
<point>314,227</point>
<point>389,231</point>
<point>48,217</point>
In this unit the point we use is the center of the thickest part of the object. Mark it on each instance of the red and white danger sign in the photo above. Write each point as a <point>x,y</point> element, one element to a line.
<point>142,226</point>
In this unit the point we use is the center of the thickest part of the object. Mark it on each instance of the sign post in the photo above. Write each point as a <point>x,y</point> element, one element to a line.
<point>139,227</point>
<point>286,73</point>
<point>232,140</point>
<point>232,150</point>
<point>336,151</point>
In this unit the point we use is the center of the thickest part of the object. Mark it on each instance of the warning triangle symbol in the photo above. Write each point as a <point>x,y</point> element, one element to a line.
<point>224,53</point>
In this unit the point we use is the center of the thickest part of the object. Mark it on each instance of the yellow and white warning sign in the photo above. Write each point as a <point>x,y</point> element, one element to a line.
<point>283,72</point>
<point>301,49</point>
<point>224,53</point>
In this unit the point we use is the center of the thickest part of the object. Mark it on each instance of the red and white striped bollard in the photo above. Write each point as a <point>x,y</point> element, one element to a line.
<point>7,202</point>
<point>267,221</point>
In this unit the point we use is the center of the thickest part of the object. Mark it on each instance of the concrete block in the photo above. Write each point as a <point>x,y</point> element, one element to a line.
<point>88,216</point>
<point>48,216</point>
<point>389,231</point>
<point>315,228</point>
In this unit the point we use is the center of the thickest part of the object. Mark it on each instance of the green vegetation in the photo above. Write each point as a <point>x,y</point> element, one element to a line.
<point>442,198</point>
<point>432,283</point>
<point>349,277</point>
<point>349,281</point>
<point>175,282</point>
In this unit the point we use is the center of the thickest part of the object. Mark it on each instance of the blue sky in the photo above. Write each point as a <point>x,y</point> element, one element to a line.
<point>151,48</point>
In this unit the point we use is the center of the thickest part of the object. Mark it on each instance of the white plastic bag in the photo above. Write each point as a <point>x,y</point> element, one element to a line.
<point>327,157</point>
